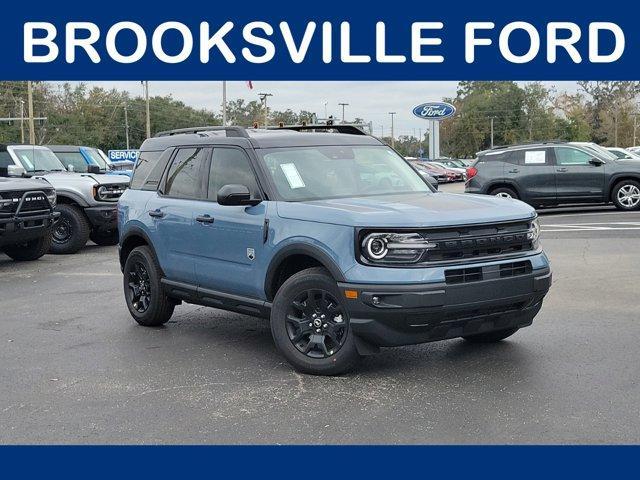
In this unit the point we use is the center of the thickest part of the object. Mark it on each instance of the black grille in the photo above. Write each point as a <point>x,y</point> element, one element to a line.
<point>489,272</point>
<point>464,243</point>
<point>34,202</point>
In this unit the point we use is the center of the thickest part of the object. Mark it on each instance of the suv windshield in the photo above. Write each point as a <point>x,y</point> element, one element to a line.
<point>38,160</point>
<point>603,152</point>
<point>315,173</point>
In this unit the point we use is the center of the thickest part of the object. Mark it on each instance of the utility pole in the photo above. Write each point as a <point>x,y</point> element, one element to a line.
<point>635,128</point>
<point>381,131</point>
<point>32,128</point>
<point>263,98</point>
<point>224,103</point>
<point>146,97</point>
<point>393,140</point>
<point>326,115</point>
<point>492,131</point>
<point>343,105</point>
<point>615,130</point>
<point>420,142</point>
<point>126,124</point>
<point>22,121</point>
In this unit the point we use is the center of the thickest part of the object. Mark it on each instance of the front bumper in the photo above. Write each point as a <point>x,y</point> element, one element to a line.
<point>24,228</point>
<point>392,315</point>
<point>103,219</point>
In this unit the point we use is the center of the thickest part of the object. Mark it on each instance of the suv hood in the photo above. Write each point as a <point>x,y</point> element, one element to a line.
<point>83,178</point>
<point>409,210</point>
<point>17,183</point>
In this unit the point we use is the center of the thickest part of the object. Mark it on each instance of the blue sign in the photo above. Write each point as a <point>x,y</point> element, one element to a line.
<point>434,111</point>
<point>124,155</point>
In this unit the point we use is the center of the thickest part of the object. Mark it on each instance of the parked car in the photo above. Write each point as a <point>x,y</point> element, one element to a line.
<point>290,226</point>
<point>446,164</point>
<point>121,167</point>
<point>26,212</point>
<point>86,201</point>
<point>443,175</point>
<point>424,172</point>
<point>557,173</point>
<point>80,159</point>
<point>634,149</point>
<point>624,153</point>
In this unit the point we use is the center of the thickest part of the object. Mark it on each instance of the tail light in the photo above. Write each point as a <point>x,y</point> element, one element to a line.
<point>471,172</point>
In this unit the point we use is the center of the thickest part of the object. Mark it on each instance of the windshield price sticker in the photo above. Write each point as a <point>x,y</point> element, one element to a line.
<point>293,176</point>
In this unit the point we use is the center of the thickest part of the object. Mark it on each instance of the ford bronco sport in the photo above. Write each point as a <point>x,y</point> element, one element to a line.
<point>298,227</point>
<point>86,201</point>
<point>26,212</point>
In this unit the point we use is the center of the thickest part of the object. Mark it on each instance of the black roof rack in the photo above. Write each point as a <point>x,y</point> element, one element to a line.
<point>543,142</point>
<point>230,131</point>
<point>353,129</point>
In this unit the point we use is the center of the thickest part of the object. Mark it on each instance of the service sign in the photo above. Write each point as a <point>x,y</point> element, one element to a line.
<point>434,111</point>
<point>123,155</point>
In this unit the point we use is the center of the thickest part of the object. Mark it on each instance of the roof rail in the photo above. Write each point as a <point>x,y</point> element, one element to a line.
<point>533,142</point>
<point>351,128</point>
<point>230,131</point>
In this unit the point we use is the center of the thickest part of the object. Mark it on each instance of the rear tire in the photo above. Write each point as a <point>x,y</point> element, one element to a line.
<point>71,231</point>
<point>626,195</point>
<point>504,192</point>
<point>491,337</point>
<point>104,239</point>
<point>143,293</point>
<point>31,250</point>
<point>308,313</point>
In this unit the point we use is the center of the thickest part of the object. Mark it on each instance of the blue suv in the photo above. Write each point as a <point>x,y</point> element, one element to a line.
<point>298,225</point>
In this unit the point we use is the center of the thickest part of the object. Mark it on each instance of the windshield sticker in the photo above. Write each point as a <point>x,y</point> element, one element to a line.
<point>535,157</point>
<point>25,159</point>
<point>293,176</point>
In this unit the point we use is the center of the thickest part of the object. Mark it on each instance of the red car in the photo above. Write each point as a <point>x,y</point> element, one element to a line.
<point>444,175</point>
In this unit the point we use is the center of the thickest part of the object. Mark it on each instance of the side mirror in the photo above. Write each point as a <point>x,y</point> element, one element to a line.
<point>596,161</point>
<point>70,168</point>
<point>16,171</point>
<point>233,195</point>
<point>93,169</point>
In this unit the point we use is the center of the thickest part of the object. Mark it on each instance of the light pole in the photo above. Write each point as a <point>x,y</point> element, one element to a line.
<point>146,97</point>
<point>263,98</point>
<point>126,124</point>
<point>343,105</point>
<point>393,140</point>
<point>492,131</point>
<point>381,131</point>
<point>635,128</point>
<point>22,121</point>
<point>224,103</point>
<point>32,128</point>
<point>326,115</point>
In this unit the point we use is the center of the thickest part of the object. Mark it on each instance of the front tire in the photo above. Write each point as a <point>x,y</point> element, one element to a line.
<point>104,239</point>
<point>310,324</point>
<point>31,250</point>
<point>626,195</point>
<point>146,301</point>
<point>491,337</point>
<point>71,231</point>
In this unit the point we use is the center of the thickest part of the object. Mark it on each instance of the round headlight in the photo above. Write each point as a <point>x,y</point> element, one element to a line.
<point>375,247</point>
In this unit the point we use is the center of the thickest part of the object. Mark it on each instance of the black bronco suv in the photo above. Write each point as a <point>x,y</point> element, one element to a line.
<point>557,173</point>
<point>26,214</point>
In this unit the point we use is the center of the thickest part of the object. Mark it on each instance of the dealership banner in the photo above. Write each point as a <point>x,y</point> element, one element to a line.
<point>330,40</point>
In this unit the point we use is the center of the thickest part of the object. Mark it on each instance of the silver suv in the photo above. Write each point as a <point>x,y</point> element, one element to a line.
<point>86,201</point>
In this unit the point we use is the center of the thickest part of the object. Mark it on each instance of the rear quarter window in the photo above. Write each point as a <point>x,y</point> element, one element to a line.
<point>143,169</point>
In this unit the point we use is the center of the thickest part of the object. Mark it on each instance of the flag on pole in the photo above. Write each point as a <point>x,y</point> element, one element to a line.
<point>249,84</point>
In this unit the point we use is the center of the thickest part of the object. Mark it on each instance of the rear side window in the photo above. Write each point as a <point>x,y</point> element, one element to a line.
<point>146,162</point>
<point>538,157</point>
<point>185,176</point>
<point>496,157</point>
<point>231,166</point>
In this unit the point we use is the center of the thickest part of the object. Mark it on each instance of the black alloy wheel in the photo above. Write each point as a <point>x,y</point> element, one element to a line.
<point>316,324</point>
<point>62,231</point>
<point>139,287</point>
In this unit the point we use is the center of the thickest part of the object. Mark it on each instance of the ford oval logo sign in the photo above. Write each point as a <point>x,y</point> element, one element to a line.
<point>434,111</point>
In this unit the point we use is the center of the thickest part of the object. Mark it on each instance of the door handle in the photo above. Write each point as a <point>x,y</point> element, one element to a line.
<point>561,170</point>
<point>157,213</point>
<point>515,170</point>
<point>204,219</point>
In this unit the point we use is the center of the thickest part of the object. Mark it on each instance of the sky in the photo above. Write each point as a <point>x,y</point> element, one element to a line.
<point>369,100</point>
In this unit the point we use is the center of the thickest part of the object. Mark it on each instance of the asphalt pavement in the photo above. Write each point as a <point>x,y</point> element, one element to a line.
<point>75,368</point>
